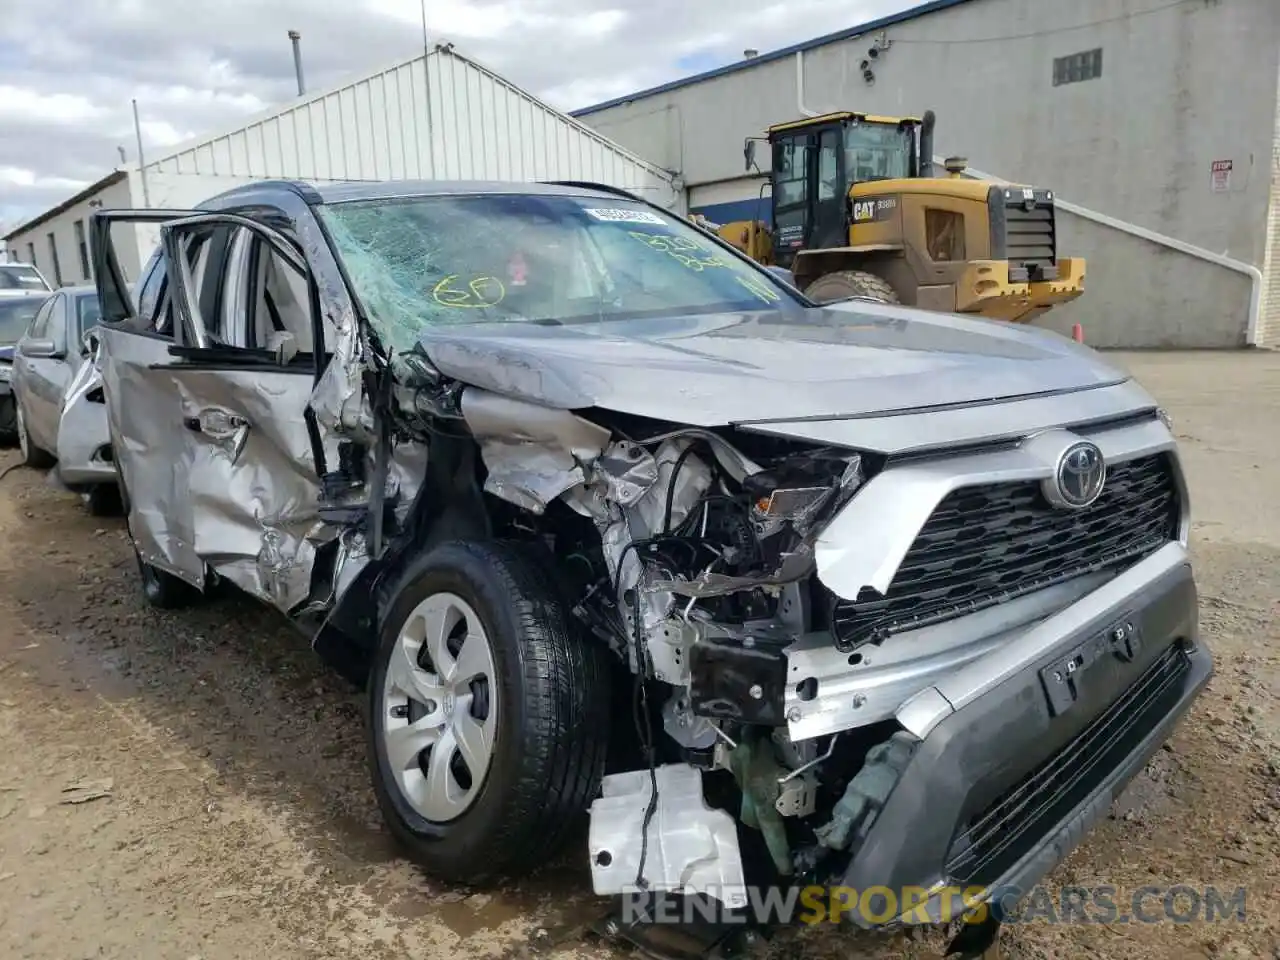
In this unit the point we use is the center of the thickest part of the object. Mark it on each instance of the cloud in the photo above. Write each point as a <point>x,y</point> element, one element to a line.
<point>71,67</point>
<point>20,103</point>
<point>18,177</point>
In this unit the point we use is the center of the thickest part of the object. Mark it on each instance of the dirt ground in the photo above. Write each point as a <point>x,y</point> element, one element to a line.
<point>238,821</point>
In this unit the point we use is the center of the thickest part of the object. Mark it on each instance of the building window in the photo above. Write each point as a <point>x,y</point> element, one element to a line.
<point>31,254</point>
<point>1077,67</point>
<point>84,251</point>
<point>53,254</point>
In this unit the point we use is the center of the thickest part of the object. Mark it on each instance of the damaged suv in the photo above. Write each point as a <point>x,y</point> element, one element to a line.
<point>606,517</point>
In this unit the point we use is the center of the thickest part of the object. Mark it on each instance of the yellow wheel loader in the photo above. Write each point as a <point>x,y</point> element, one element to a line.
<point>857,211</point>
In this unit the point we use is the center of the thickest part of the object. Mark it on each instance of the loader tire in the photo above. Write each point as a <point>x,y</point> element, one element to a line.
<point>844,284</point>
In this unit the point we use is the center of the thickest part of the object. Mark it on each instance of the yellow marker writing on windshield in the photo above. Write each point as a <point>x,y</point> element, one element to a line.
<point>760,289</point>
<point>681,249</point>
<point>479,292</point>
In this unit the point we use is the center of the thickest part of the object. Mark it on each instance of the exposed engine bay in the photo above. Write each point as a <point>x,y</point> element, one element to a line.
<point>691,557</point>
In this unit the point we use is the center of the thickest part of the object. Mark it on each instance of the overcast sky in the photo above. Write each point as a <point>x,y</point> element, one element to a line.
<point>68,68</point>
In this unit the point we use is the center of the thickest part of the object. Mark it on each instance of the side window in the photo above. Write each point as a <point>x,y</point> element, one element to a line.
<point>944,235</point>
<point>57,330</point>
<point>39,329</point>
<point>207,271</point>
<point>246,292</point>
<point>154,313</point>
<point>789,164</point>
<point>148,289</point>
<point>829,165</point>
<point>279,303</point>
<point>204,249</point>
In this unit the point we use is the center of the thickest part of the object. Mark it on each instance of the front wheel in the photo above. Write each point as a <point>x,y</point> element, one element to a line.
<point>160,589</point>
<point>32,456</point>
<point>488,714</point>
<point>848,284</point>
<point>103,500</point>
<point>8,419</point>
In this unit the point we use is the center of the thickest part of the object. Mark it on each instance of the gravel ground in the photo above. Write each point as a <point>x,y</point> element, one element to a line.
<point>237,820</point>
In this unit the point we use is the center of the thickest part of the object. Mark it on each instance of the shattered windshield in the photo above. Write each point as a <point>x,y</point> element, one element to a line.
<point>425,261</point>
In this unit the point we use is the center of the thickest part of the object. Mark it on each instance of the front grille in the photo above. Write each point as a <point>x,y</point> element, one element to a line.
<point>1030,238</point>
<point>993,842</point>
<point>985,545</point>
<point>1024,232</point>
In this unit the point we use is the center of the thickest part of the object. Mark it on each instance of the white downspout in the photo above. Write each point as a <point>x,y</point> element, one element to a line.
<point>804,111</point>
<point>1173,243</point>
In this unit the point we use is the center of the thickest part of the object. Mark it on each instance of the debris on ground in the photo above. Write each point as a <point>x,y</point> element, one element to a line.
<point>85,790</point>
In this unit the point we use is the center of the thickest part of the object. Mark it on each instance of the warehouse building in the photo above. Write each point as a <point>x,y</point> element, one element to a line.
<point>435,116</point>
<point>1155,122</point>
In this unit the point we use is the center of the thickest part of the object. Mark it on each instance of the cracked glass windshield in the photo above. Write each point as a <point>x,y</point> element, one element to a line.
<point>426,261</point>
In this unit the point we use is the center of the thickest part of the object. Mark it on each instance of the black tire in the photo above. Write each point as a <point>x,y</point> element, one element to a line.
<point>8,420</point>
<point>160,589</point>
<point>103,500</point>
<point>552,728</point>
<point>32,456</point>
<point>844,284</point>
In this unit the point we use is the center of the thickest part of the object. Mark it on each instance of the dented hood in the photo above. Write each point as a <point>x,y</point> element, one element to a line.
<point>846,360</point>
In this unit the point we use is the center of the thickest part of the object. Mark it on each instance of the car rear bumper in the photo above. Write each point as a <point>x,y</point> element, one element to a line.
<point>84,445</point>
<point>1002,788</point>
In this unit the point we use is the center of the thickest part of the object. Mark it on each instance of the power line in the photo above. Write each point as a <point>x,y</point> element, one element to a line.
<point>1048,32</point>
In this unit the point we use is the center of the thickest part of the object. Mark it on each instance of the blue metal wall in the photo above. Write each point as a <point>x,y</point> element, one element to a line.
<point>753,209</point>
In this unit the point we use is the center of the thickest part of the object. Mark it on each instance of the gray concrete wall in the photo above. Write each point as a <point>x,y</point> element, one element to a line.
<point>1182,85</point>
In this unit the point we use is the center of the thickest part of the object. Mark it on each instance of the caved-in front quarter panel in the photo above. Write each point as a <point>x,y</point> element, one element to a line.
<point>254,493</point>
<point>144,417</point>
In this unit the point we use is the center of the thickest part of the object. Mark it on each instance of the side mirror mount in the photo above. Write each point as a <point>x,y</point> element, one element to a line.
<point>41,349</point>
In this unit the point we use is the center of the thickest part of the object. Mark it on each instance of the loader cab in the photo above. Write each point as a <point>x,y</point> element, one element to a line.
<point>817,160</point>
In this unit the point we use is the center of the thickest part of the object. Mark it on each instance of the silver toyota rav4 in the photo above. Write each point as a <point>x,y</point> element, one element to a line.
<point>605,517</point>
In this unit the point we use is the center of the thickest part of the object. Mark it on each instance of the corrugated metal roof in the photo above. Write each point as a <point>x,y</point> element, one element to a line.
<point>114,177</point>
<point>274,143</point>
<point>932,7</point>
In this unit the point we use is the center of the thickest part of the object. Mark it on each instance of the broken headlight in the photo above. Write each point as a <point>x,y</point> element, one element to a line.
<point>801,492</point>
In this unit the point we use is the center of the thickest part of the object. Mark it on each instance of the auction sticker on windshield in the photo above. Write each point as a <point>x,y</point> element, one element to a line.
<point>623,215</point>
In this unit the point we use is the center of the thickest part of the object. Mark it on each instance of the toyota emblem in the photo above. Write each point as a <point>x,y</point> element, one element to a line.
<point>1079,477</point>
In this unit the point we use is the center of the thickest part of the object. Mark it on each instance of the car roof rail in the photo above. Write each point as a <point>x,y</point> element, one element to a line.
<point>602,187</point>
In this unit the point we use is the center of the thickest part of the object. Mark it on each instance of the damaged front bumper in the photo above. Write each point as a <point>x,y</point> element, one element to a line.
<point>1019,754</point>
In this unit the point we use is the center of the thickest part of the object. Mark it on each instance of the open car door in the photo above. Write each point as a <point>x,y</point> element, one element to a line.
<point>134,338</point>
<point>243,367</point>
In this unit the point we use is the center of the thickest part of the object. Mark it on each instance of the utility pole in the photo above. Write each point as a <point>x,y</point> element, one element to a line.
<point>142,163</point>
<point>426,86</point>
<point>296,38</point>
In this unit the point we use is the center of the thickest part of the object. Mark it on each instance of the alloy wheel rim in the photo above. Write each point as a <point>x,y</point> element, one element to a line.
<point>440,708</point>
